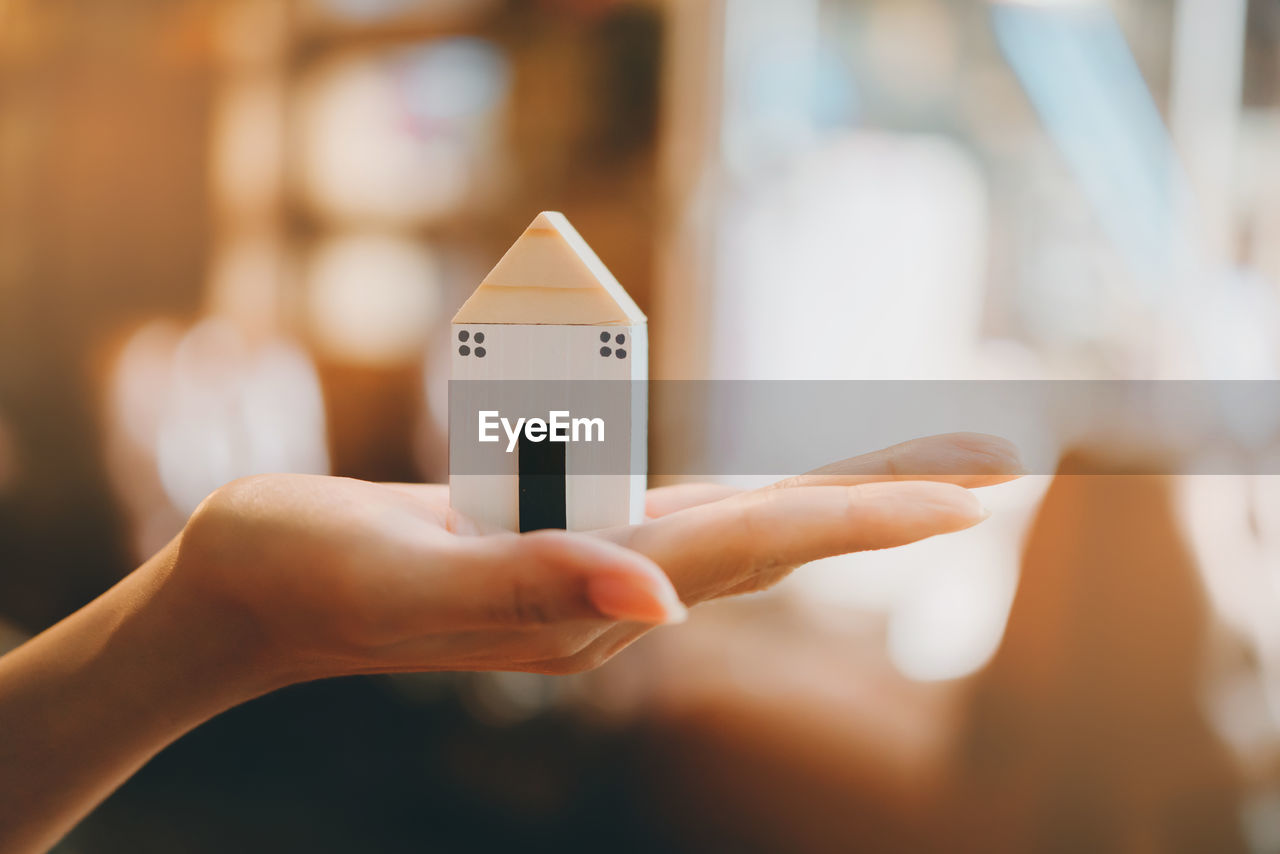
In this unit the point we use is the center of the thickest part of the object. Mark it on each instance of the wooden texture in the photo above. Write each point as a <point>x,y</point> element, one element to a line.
<point>550,276</point>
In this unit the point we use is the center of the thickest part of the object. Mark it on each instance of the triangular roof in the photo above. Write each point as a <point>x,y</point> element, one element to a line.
<point>550,276</point>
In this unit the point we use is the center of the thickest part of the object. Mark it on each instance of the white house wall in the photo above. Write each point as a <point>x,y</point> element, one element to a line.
<point>537,352</point>
<point>553,353</point>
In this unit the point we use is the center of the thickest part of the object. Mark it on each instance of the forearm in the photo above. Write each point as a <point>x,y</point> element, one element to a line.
<point>86,703</point>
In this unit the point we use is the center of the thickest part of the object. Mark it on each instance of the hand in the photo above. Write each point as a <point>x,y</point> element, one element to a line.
<point>282,578</point>
<point>341,576</point>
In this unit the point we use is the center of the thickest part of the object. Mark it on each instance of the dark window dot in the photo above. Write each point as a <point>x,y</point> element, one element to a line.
<point>464,350</point>
<point>605,351</point>
<point>621,339</point>
<point>479,337</point>
<point>622,354</point>
<point>479,352</point>
<point>464,335</point>
<point>604,337</point>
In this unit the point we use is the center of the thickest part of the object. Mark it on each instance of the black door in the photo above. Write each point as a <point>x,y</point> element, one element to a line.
<point>542,499</point>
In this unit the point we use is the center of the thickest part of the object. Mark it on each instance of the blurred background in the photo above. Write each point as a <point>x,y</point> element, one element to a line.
<point>232,233</point>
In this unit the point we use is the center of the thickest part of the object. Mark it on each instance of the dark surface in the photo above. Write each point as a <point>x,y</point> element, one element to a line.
<point>351,765</point>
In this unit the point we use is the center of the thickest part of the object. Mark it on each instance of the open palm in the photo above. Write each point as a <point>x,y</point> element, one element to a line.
<point>344,576</point>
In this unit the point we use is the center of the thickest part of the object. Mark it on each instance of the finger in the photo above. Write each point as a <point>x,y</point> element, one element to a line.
<point>714,547</point>
<point>665,500</point>
<point>966,459</point>
<point>514,581</point>
<point>505,649</point>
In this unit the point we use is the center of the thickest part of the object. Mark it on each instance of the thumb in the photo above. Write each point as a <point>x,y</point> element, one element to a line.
<point>510,581</point>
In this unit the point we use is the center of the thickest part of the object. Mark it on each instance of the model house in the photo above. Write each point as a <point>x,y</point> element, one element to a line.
<point>548,400</point>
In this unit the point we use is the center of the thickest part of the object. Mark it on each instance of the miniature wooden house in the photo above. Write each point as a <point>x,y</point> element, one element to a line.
<point>549,335</point>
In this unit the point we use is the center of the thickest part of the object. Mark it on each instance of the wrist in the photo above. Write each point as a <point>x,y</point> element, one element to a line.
<point>200,644</point>
<point>89,700</point>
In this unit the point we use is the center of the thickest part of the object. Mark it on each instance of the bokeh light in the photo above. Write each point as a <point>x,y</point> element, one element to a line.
<point>372,298</point>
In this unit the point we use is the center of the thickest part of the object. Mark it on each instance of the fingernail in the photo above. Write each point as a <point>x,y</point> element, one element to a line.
<point>962,501</point>
<point>981,512</point>
<point>633,598</point>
